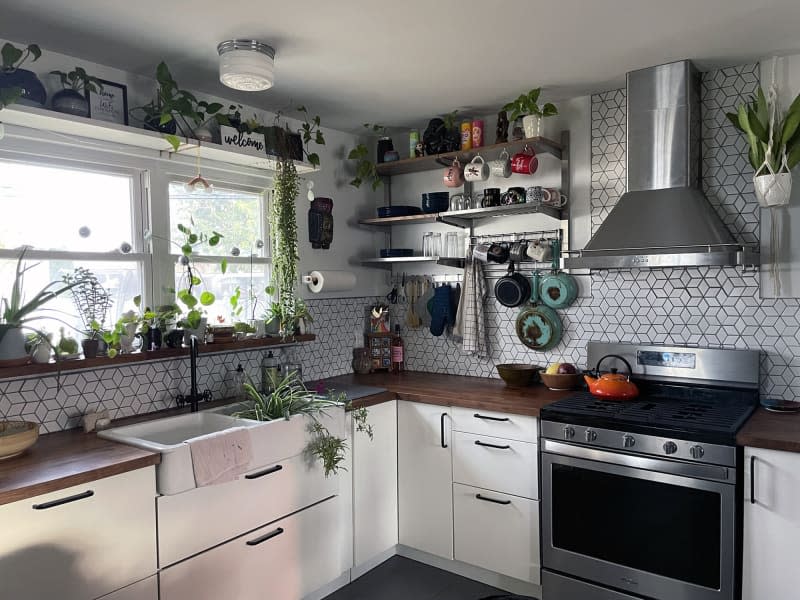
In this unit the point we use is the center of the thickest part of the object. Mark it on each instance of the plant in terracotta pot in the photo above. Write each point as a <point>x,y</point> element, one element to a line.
<point>527,107</point>
<point>72,97</point>
<point>18,84</point>
<point>17,314</point>
<point>92,303</point>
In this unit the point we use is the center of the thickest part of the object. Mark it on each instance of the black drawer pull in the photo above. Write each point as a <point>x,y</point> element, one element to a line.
<point>488,418</point>
<point>265,537</point>
<point>752,479</point>
<point>496,501</point>
<point>441,423</point>
<point>60,501</point>
<point>480,443</point>
<point>268,471</point>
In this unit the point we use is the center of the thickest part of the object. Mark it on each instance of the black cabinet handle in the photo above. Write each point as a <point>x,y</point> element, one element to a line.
<point>268,471</point>
<point>441,421</point>
<point>488,418</point>
<point>60,501</point>
<point>265,537</point>
<point>494,500</point>
<point>752,479</point>
<point>480,443</point>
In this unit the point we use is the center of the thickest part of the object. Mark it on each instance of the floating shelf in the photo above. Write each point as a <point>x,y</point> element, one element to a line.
<point>540,145</point>
<point>387,263</point>
<point>56,122</point>
<point>463,218</point>
<point>407,220</point>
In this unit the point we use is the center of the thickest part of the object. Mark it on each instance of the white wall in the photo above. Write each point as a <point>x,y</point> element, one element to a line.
<point>330,181</point>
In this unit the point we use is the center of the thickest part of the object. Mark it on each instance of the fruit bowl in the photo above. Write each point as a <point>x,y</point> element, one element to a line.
<point>518,375</point>
<point>561,381</point>
<point>16,437</point>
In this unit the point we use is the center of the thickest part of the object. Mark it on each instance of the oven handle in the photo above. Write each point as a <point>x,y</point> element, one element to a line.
<point>713,472</point>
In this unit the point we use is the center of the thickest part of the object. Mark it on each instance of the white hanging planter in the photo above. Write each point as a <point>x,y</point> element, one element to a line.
<point>773,190</point>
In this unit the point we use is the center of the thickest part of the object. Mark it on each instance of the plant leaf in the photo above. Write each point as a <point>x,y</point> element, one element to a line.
<point>207,298</point>
<point>35,51</point>
<point>173,140</point>
<point>223,265</point>
<point>11,54</point>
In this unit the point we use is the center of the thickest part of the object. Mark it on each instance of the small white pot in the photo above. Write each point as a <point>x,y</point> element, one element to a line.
<point>41,353</point>
<point>773,190</point>
<point>532,124</point>
<point>12,344</point>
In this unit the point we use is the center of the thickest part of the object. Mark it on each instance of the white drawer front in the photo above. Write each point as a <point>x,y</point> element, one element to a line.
<point>497,424</point>
<point>285,560</point>
<point>81,542</point>
<point>498,532</point>
<point>195,520</point>
<point>507,466</point>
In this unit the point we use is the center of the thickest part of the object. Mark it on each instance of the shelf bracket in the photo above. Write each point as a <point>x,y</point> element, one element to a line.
<point>454,222</point>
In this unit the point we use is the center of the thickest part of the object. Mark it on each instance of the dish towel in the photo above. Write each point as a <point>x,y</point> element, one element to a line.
<point>470,325</point>
<point>220,456</point>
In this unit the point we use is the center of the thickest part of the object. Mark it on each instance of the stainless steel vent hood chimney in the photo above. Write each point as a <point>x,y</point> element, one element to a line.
<point>663,220</point>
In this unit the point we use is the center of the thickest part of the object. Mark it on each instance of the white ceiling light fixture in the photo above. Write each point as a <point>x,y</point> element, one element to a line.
<point>246,65</point>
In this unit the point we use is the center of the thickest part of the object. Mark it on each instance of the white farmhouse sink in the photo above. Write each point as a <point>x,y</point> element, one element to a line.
<point>272,441</point>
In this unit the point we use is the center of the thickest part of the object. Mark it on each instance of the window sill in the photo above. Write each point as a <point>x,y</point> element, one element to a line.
<point>103,362</point>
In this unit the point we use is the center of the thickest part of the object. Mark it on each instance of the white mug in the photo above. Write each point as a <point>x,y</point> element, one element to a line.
<point>476,170</point>
<point>502,166</point>
<point>540,251</point>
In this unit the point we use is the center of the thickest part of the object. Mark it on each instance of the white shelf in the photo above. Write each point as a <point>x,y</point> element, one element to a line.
<point>400,259</point>
<point>56,122</point>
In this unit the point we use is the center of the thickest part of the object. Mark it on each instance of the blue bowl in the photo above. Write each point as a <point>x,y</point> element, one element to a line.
<point>435,202</point>
<point>397,211</point>
<point>396,252</point>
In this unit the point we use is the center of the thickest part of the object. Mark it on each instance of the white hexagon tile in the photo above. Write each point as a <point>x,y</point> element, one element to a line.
<point>698,307</point>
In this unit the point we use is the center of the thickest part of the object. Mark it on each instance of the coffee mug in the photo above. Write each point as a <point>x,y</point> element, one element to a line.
<point>502,166</point>
<point>557,199</point>
<point>476,170</point>
<point>453,175</point>
<point>517,252</point>
<point>514,195</point>
<point>540,250</point>
<point>491,197</point>
<point>525,162</point>
<point>538,195</point>
<point>480,252</point>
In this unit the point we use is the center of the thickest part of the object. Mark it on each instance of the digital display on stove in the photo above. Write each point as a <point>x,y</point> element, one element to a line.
<point>674,360</point>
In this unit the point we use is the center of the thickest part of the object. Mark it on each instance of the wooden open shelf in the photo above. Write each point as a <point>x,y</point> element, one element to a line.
<point>539,145</point>
<point>104,362</point>
<point>407,220</point>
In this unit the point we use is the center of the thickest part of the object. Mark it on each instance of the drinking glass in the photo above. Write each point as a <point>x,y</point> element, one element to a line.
<point>451,245</point>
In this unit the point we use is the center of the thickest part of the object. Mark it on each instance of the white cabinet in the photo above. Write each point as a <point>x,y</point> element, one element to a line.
<point>771,525</point>
<point>497,424</point>
<point>146,589</point>
<point>425,477</point>
<point>375,484</point>
<point>285,560</point>
<point>496,531</point>
<point>81,542</point>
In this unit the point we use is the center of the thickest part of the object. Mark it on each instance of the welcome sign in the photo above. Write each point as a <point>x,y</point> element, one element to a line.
<point>233,138</point>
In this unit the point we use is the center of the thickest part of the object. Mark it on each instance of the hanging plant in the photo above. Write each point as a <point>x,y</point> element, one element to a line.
<point>283,233</point>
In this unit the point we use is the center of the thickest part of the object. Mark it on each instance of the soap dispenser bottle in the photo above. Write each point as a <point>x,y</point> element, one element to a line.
<point>238,383</point>
<point>270,373</point>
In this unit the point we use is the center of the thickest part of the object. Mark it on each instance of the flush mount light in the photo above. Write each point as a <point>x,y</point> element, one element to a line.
<point>246,65</point>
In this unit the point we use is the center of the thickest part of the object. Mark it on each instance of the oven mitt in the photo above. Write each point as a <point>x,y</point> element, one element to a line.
<point>441,316</point>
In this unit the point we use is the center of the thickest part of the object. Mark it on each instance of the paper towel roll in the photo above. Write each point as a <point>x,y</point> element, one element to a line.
<point>330,281</point>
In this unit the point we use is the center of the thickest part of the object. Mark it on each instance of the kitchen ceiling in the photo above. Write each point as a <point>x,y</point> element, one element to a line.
<point>355,61</point>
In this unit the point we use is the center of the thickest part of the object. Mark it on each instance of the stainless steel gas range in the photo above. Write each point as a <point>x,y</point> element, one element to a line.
<point>642,499</point>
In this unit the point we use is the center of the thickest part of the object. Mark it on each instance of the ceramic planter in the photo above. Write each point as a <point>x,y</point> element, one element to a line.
<point>71,102</point>
<point>532,124</point>
<point>272,328</point>
<point>90,348</point>
<point>33,92</point>
<point>773,190</point>
<point>199,333</point>
<point>41,354</point>
<point>12,344</point>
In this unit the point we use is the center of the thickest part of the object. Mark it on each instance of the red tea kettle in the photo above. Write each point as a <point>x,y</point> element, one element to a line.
<point>613,385</point>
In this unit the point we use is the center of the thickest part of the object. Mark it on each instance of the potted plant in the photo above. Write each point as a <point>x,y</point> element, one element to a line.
<point>40,346</point>
<point>366,170</point>
<point>92,302</point>
<point>17,84</point>
<point>774,145</point>
<point>154,323</point>
<point>121,338</point>
<point>67,347</point>
<point>72,97</point>
<point>17,314</point>
<point>527,107</point>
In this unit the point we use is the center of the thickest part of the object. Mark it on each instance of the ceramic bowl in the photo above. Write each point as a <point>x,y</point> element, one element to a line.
<point>562,381</point>
<point>435,202</point>
<point>16,437</point>
<point>519,375</point>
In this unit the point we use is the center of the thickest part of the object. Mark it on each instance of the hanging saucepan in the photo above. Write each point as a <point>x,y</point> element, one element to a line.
<point>512,289</point>
<point>538,327</point>
<point>558,290</point>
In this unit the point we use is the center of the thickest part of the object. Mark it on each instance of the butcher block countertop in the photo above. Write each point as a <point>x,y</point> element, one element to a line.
<point>453,390</point>
<point>773,431</point>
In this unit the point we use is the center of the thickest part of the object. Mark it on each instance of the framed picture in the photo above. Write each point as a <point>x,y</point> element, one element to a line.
<point>109,104</point>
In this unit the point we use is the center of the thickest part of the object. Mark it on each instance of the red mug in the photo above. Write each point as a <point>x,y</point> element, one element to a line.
<point>524,162</point>
<point>454,175</point>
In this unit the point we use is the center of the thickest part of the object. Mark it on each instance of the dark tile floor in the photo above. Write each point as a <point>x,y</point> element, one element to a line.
<point>404,579</point>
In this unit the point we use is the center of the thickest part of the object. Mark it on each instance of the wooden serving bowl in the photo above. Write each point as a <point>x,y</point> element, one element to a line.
<point>518,375</point>
<point>562,381</point>
<point>16,437</point>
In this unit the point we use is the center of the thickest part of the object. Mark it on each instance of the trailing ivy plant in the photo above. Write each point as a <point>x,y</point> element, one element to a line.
<point>311,132</point>
<point>366,170</point>
<point>283,234</point>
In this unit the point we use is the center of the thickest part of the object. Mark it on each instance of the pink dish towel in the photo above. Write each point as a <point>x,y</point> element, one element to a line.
<point>221,456</point>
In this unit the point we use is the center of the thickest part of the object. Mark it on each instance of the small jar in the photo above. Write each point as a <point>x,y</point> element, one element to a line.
<point>362,363</point>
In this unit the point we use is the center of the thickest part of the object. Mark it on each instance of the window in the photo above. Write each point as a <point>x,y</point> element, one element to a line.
<point>239,216</point>
<point>71,217</point>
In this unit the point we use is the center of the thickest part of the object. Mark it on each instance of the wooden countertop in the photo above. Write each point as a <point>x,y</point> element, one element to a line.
<point>453,390</point>
<point>66,458</point>
<point>773,431</point>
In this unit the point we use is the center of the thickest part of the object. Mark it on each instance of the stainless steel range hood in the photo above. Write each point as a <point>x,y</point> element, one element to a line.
<point>663,220</point>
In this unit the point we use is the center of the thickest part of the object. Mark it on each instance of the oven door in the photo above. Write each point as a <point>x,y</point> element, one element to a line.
<point>656,528</point>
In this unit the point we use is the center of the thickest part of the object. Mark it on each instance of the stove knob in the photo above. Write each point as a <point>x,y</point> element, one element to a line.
<point>569,432</point>
<point>696,452</point>
<point>670,447</point>
<point>590,435</point>
<point>628,441</point>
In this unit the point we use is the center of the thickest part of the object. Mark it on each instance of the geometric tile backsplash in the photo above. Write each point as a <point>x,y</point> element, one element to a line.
<point>715,307</point>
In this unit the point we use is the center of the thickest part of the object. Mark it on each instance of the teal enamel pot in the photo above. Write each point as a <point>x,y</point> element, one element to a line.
<point>557,289</point>
<point>538,326</point>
